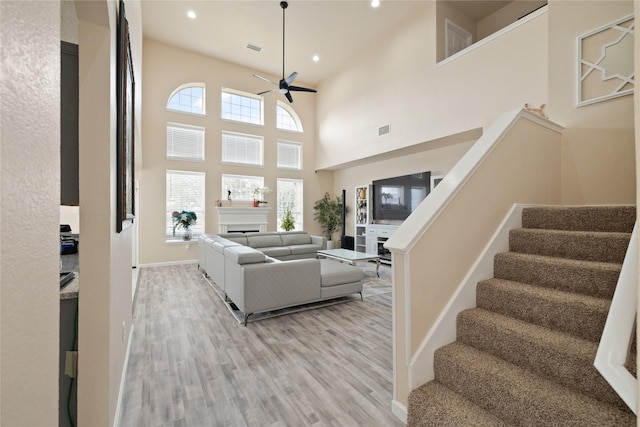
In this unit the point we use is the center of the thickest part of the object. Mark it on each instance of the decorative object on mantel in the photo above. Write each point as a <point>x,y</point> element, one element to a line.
<point>538,111</point>
<point>184,219</point>
<point>259,195</point>
<point>288,222</point>
<point>328,213</point>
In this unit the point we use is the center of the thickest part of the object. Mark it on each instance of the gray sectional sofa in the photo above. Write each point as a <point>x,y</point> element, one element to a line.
<point>268,271</point>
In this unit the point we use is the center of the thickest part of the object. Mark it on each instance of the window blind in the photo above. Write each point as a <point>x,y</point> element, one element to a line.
<point>289,155</point>
<point>242,149</point>
<point>185,142</point>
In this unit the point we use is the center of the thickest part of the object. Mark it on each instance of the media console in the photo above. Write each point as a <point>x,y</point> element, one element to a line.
<point>377,235</point>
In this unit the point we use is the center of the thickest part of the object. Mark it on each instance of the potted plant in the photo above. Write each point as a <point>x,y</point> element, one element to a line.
<point>328,213</point>
<point>288,222</point>
<point>184,219</point>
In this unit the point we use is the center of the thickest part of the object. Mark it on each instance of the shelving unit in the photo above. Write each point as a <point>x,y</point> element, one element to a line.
<point>361,217</point>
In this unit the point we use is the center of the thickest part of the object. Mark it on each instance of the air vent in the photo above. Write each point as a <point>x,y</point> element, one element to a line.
<point>254,47</point>
<point>383,130</point>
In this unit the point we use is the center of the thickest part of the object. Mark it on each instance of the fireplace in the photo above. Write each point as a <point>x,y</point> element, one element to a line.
<point>242,220</point>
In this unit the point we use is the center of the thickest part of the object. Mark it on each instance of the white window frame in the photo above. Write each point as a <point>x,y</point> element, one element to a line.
<point>294,116</point>
<point>298,211</point>
<point>283,144</point>
<point>187,86</point>
<point>259,149</point>
<point>197,206</point>
<point>198,149</point>
<point>246,193</point>
<point>227,91</point>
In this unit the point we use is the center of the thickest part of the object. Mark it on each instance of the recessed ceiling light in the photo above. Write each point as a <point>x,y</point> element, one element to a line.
<point>316,58</point>
<point>191,14</point>
<point>375,3</point>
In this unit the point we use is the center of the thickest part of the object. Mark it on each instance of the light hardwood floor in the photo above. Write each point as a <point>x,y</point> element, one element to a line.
<point>192,364</point>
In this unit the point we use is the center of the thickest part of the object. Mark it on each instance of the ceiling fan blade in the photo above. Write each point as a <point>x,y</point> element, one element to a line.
<point>265,79</point>
<point>266,91</point>
<point>289,97</point>
<point>302,89</point>
<point>291,78</point>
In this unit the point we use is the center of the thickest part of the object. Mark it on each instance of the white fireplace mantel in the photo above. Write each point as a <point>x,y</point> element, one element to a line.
<point>232,219</point>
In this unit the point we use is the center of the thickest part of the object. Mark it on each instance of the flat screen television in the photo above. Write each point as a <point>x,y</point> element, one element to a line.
<point>395,198</point>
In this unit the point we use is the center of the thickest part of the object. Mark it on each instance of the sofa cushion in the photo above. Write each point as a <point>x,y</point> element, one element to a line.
<point>304,249</point>
<point>239,238</point>
<point>295,238</point>
<point>336,273</point>
<point>276,251</point>
<point>243,255</point>
<point>266,241</point>
<point>219,245</point>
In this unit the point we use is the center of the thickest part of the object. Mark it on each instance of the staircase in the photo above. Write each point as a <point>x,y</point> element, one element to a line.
<point>525,355</point>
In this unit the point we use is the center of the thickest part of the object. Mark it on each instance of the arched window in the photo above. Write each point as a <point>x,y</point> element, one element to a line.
<point>287,119</point>
<point>188,98</point>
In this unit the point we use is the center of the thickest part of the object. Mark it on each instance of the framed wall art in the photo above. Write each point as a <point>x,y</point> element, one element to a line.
<point>605,62</point>
<point>125,87</point>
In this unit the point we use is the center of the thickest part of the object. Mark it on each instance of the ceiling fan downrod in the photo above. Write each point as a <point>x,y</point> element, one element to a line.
<point>283,5</point>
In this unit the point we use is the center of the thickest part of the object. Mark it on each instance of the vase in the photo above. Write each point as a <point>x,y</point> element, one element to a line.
<point>187,235</point>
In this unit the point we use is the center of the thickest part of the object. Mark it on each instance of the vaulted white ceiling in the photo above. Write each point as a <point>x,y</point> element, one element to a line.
<point>335,30</point>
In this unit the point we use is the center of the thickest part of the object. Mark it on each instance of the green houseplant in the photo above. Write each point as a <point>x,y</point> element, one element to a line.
<point>328,213</point>
<point>288,222</point>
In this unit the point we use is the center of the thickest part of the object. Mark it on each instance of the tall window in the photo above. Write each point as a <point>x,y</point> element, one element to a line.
<point>184,192</point>
<point>241,149</point>
<point>289,155</point>
<point>242,187</point>
<point>242,107</point>
<point>185,142</point>
<point>290,197</point>
<point>188,98</point>
<point>286,118</point>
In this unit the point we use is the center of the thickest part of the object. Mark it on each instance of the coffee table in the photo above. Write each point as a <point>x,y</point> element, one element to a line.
<point>350,256</point>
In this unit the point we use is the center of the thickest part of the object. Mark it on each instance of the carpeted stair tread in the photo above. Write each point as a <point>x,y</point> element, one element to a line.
<point>593,278</point>
<point>582,245</point>
<point>516,395</point>
<point>581,315</point>
<point>435,405</point>
<point>618,218</point>
<point>557,356</point>
<point>525,354</point>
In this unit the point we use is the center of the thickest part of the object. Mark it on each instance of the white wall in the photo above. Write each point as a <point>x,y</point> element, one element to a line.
<point>29,230</point>
<point>598,143</point>
<point>167,68</point>
<point>400,84</point>
<point>105,260</point>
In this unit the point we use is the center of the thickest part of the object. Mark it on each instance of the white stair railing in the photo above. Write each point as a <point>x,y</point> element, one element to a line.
<point>617,335</point>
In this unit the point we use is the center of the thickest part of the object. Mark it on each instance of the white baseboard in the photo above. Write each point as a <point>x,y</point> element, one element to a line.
<point>399,410</point>
<point>116,418</point>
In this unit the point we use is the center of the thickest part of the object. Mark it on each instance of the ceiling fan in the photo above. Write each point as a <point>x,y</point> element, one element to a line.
<point>285,86</point>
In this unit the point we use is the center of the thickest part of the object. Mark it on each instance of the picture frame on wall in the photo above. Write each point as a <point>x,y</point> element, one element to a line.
<point>125,94</point>
<point>605,62</point>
